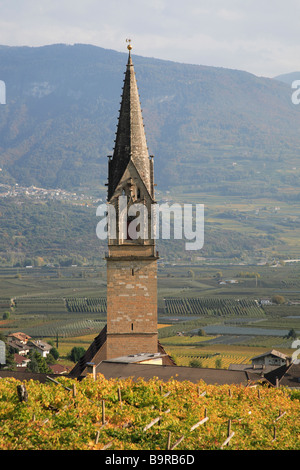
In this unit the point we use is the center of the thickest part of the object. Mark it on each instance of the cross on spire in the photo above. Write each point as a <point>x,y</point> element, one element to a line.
<point>129,47</point>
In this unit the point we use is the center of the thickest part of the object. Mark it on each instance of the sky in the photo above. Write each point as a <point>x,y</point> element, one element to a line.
<point>259,36</point>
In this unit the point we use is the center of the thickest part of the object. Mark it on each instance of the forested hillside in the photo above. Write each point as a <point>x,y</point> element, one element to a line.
<point>207,126</point>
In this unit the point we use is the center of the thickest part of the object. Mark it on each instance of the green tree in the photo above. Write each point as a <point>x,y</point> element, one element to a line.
<point>195,363</point>
<point>76,353</point>
<point>218,363</point>
<point>38,363</point>
<point>292,334</point>
<point>33,365</point>
<point>54,353</point>
<point>201,332</point>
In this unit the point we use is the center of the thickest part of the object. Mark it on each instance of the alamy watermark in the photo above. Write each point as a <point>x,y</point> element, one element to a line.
<point>296,94</point>
<point>166,221</point>
<point>2,92</point>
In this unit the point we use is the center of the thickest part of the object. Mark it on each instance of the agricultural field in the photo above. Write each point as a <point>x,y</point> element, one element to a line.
<point>201,351</point>
<point>213,306</point>
<point>86,305</point>
<point>154,415</point>
<point>69,305</point>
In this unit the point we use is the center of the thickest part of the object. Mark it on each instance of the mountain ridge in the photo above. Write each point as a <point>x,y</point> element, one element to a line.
<point>62,109</point>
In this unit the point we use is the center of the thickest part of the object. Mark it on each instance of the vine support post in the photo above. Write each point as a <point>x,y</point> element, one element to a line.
<point>103,412</point>
<point>169,441</point>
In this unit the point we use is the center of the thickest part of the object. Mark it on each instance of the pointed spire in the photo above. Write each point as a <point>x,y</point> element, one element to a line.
<point>130,144</point>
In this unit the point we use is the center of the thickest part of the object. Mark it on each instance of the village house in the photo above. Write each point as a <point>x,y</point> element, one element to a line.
<point>17,345</point>
<point>270,358</point>
<point>21,361</point>
<point>21,337</point>
<point>22,344</point>
<point>41,347</point>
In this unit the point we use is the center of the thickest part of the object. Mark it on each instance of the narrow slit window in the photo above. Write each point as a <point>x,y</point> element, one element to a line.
<point>131,326</point>
<point>132,271</point>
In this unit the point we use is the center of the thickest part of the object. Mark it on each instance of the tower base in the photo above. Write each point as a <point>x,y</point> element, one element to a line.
<point>98,352</point>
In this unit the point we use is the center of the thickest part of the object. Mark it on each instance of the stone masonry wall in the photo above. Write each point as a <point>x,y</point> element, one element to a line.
<point>131,306</point>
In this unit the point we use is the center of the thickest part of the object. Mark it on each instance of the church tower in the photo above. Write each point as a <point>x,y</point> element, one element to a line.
<point>131,327</point>
<point>132,257</point>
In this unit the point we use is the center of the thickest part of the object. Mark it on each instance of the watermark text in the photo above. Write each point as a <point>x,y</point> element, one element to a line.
<point>296,94</point>
<point>165,221</point>
<point>2,92</point>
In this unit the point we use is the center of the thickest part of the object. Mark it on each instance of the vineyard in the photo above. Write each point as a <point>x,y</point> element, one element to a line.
<point>65,328</point>
<point>196,351</point>
<point>5,302</point>
<point>54,304</point>
<point>173,306</point>
<point>118,414</point>
<point>87,305</point>
<point>39,304</point>
<point>213,306</point>
<point>211,360</point>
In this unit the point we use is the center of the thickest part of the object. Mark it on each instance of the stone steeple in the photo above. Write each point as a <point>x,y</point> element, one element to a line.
<point>131,328</point>
<point>130,143</point>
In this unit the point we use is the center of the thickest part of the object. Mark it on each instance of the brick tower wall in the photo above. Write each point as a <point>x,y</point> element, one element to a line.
<point>131,306</point>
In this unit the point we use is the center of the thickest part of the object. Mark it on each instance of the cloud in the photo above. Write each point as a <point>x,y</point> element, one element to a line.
<point>261,37</point>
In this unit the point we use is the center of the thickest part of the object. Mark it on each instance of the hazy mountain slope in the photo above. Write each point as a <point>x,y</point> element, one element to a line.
<point>288,77</point>
<point>207,127</point>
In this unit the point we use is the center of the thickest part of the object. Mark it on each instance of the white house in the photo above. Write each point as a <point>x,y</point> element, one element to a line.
<point>41,347</point>
<point>271,358</point>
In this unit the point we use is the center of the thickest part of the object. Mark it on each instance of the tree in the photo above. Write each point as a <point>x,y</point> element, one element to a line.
<point>278,299</point>
<point>292,334</point>
<point>218,363</point>
<point>195,363</point>
<point>55,353</point>
<point>201,332</point>
<point>33,365</point>
<point>38,363</point>
<point>6,315</point>
<point>76,353</point>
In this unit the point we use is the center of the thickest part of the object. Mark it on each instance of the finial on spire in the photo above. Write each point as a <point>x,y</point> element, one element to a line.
<point>129,47</point>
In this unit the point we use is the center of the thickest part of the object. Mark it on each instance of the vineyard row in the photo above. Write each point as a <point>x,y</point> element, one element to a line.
<point>213,306</point>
